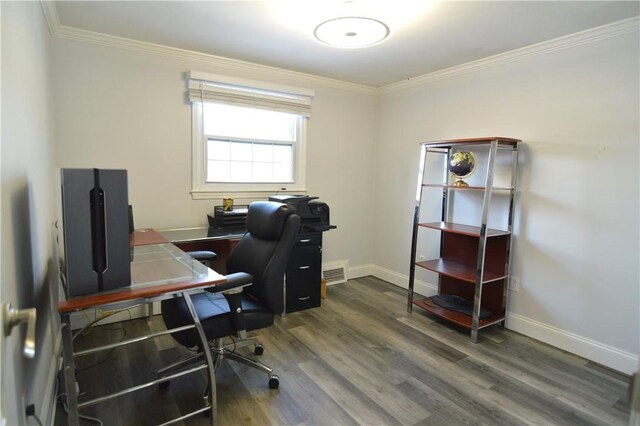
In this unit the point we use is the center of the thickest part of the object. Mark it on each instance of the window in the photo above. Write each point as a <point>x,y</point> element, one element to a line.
<point>246,145</point>
<point>247,141</point>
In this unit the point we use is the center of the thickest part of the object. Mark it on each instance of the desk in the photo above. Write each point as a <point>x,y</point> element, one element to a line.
<point>219,241</point>
<point>158,271</point>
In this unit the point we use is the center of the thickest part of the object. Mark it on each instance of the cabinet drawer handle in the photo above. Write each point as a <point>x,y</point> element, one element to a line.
<point>305,267</point>
<point>304,298</point>
<point>306,240</point>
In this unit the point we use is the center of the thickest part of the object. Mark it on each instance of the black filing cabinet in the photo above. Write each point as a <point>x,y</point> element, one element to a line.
<point>304,273</point>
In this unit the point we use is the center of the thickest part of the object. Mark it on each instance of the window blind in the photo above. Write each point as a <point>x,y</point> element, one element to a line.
<point>204,87</point>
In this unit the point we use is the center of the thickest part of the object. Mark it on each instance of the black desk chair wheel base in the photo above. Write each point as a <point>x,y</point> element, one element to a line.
<point>248,301</point>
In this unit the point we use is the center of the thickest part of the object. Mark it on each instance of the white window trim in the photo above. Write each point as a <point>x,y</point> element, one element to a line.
<point>201,190</point>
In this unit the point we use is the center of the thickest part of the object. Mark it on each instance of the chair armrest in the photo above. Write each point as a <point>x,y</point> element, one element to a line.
<point>203,255</point>
<point>239,280</point>
<point>234,284</point>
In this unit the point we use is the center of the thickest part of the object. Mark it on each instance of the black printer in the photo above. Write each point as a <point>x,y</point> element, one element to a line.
<point>304,269</point>
<point>314,215</point>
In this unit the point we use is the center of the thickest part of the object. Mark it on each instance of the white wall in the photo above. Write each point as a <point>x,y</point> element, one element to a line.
<point>122,109</point>
<point>576,233</point>
<point>27,209</point>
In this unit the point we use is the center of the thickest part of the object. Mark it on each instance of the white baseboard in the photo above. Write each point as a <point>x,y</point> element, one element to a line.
<point>606,355</point>
<point>50,397</point>
<point>622,361</point>
<point>401,280</point>
<point>360,271</point>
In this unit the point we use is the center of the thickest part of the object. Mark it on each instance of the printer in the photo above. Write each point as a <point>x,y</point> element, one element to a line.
<point>314,215</point>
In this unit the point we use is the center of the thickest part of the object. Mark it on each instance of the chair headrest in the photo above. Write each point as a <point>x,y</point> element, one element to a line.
<point>265,219</point>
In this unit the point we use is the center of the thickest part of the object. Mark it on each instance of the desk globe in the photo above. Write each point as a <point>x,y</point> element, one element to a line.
<point>462,164</point>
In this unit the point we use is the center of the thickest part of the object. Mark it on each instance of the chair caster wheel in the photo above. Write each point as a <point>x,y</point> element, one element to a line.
<point>274,382</point>
<point>164,385</point>
<point>259,350</point>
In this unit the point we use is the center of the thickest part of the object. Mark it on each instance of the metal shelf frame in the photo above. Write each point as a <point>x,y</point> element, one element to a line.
<point>446,148</point>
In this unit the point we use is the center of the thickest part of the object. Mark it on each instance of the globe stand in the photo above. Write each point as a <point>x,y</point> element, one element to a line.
<point>459,183</point>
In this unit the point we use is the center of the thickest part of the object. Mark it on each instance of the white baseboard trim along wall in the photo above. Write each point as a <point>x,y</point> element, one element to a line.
<point>595,351</point>
<point>50,398</point>
<point>606,355</point>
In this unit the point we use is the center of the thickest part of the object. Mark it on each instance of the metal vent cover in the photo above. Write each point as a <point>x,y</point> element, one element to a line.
<point>335,275</point>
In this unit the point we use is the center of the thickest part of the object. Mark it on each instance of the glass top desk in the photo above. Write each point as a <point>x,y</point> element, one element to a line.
<point>185,235</point>
<point>219,241</point>
<point>158,271</point>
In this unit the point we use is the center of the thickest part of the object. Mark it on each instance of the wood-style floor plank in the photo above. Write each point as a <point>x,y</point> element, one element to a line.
<point>360,359</point>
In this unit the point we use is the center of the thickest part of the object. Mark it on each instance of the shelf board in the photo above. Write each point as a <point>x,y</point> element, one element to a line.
<point>473,141</point>
<point>455,228</point>
<point>457,270</point>
<point>452,316</point>
<point>466,188</point>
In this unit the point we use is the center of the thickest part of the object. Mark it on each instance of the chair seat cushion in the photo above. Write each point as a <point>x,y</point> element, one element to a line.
<point>213,312</point>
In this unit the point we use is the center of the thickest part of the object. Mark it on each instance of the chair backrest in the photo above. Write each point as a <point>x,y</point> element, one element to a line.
<point>264,251</point>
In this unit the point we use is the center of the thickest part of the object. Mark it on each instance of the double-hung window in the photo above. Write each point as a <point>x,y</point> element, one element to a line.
<point>248,136</point>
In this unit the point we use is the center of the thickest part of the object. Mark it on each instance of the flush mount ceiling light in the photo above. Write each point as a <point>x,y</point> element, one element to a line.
<point>351,32</point>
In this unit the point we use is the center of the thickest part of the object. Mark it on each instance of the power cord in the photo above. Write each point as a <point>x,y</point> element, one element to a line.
<point>102,316</point>
<point>105,359</point>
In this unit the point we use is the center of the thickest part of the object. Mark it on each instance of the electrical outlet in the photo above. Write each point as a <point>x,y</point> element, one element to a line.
<point>514,284</point>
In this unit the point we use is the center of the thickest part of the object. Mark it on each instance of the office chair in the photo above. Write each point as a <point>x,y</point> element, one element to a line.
<point>203,256</point>
<point>255,277</point>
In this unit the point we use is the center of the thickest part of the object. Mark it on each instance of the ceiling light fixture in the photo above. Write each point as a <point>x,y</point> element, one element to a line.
<point>351,32</point>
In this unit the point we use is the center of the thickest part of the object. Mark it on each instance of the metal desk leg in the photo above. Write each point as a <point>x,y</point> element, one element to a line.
<point>207,353</point>
<point>69,369</point>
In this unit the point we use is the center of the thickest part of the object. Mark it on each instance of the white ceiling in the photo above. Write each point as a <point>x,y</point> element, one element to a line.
<point>426,36</point>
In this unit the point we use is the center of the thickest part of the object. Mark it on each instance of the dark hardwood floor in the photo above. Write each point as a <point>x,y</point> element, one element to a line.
<point>361,359</point>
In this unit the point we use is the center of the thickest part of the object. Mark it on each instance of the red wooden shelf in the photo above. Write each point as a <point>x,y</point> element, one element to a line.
<point>455,228</point>
<point>459,271</point>
<point>466,188</point>
<point>455,317</point>
<point>473,141</point>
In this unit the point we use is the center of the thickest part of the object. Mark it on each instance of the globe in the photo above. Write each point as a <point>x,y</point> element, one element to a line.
<point>462,164</point>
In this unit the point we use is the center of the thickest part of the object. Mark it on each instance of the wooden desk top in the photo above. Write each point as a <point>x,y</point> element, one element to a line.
<point>142,237</point>
<point>156,269</point>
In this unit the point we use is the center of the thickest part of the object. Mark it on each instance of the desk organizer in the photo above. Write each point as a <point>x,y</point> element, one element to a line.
<point>235,218</point>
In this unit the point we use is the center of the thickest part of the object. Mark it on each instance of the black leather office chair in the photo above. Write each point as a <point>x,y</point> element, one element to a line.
<point>255,270</point>
<point>203,256</point>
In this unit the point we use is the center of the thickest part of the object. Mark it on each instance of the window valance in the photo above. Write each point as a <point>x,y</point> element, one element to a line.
<point>206,87</point>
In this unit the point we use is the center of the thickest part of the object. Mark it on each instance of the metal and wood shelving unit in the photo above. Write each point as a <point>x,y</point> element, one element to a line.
<point>474,260</point>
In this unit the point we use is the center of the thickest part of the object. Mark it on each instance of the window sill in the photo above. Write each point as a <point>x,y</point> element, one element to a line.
<point>238,196</point>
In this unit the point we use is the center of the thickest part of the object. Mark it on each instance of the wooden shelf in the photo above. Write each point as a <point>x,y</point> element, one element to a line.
<point>464,254</point>
<point>473,141</point>
<point>455,228</point>
<point>452,316</point>
<point>466,188</point>
<point>459,271</point>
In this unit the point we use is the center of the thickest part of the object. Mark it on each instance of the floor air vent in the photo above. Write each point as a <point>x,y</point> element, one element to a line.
<point>335,275</point>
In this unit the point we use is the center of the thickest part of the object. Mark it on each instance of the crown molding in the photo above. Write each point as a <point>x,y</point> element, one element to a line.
<point>51,15</point>
<point>76,34</point>
<point>577,39</point>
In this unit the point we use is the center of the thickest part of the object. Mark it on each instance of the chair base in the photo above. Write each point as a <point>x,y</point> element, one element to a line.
<point>220,351</point>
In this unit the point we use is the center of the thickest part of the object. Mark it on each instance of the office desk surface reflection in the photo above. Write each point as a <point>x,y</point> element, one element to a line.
<point>156,270</point>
